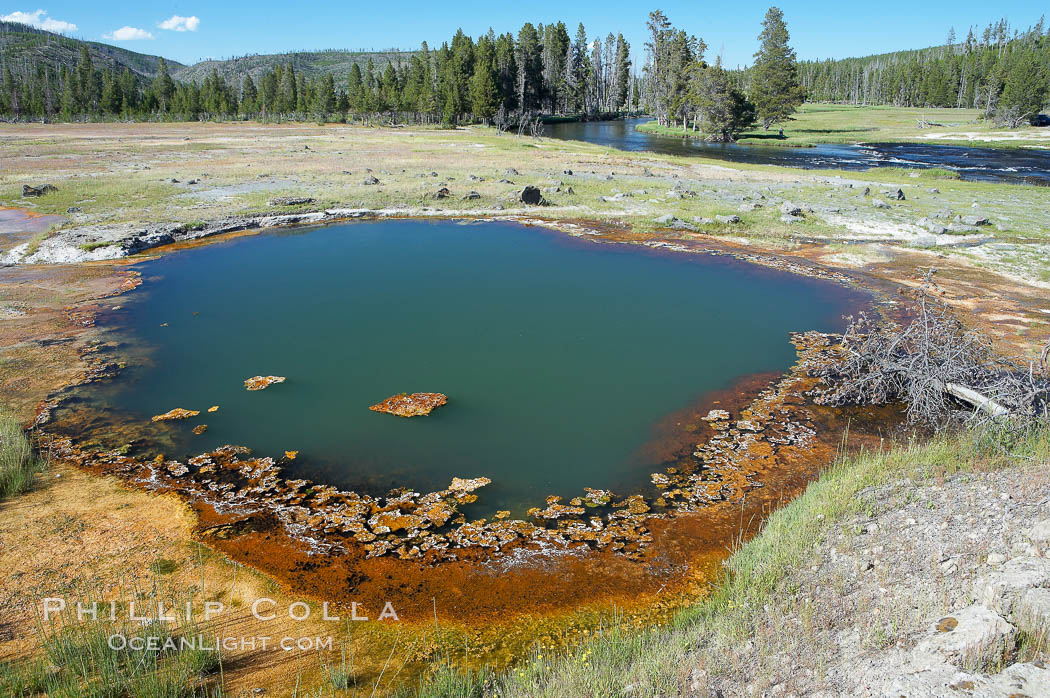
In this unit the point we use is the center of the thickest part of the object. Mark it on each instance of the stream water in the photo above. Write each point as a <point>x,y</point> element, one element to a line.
<point>986,164</point>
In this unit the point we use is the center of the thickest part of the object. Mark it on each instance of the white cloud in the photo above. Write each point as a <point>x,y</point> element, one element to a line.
<point>40,20</point>
<point>127,34</point>
<point>176,23</point>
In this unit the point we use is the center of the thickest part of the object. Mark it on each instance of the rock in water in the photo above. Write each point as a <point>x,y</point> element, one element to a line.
<point>261,382</point>
<point>177,413</point>
<point>532,196</point>
<point>414,405</point>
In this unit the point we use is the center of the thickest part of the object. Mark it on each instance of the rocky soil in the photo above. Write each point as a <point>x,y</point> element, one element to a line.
<point>939,589</point>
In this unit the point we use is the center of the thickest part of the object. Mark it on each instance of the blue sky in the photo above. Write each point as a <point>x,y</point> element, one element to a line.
<point>190,30</point>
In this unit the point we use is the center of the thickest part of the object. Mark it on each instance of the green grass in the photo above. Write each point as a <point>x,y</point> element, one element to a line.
<point>19,462</point>
<point>90,246</point>
<point>918,173</point>
<point>80,659</point>
<point>840,123</point>
<point>657,662</point>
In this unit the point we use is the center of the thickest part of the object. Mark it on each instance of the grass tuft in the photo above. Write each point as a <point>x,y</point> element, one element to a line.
<point>19,462</point>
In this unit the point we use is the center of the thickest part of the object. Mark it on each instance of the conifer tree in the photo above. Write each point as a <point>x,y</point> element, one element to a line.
<point>775,88</point>
<point>249,96</point>
<point>288,92</point>
<point>163,85</point>
<point>484,93</point>
<point>1025,89</point>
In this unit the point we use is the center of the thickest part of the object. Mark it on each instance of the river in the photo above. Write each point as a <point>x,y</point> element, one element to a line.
<point>1019,165</point>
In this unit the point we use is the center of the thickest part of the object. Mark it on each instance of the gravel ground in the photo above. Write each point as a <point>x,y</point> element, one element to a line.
<point>941,588</point>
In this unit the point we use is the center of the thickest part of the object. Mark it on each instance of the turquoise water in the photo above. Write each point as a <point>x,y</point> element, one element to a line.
<point>559,356</point>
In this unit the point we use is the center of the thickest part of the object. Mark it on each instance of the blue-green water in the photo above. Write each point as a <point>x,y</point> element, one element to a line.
<point>559,356</point>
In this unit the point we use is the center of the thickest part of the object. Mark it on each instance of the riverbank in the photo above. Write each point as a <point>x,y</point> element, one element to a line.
<point>815,124</point>
<point>115,182</point>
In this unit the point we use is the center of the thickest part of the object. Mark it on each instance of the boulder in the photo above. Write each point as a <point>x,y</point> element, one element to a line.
<point>728,220</point>
<point>932,226</point>
<point>971,638</point>
<point>899,195</point>
<point>1029,679</point>
<point>998,589</point>
<point>792,219</point>
<point>1040,533</point>
<point>471,196</point>
<point>748,207</point>
<point>974,220</point>
<point>511,172</point>
<point>291,201</point>
<point>30,190</point>
<point>532,196</point>
<point>370,180</point>
<point>879,203</point>
<point>790,209</point>
<point>442,193</point>
<point>567,172</point>
<point>666,219</point>
<point>1032,612</point>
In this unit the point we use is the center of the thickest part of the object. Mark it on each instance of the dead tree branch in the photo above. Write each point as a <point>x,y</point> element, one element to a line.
<point>942,371</point>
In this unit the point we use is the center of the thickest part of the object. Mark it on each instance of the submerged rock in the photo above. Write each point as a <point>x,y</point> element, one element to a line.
<point>405,405</point>
<point>200,429</point>
<point>177,413</point>
<point>262,382</point>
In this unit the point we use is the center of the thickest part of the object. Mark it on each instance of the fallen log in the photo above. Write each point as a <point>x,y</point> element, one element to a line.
<point>972,397</point>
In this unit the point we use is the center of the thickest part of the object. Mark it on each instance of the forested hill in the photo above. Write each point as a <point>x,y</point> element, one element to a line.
<point>972,73</point>
<point>310,64</point>
<point>24,50</point>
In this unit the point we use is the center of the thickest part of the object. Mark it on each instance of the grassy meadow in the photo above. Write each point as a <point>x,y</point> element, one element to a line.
<point>842,123</point>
